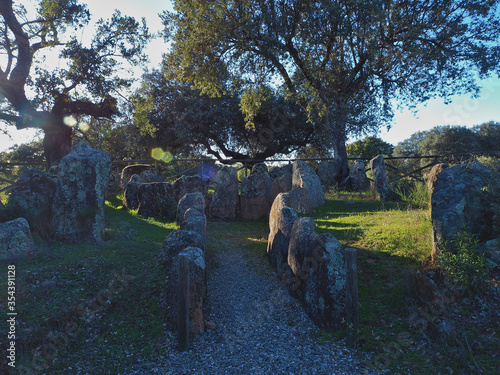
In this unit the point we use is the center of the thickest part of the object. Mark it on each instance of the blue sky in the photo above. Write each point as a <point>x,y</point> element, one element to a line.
<point>462,111</point>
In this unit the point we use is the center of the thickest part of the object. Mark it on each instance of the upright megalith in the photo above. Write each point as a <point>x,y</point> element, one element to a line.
<point>255,196</point>
<point>357,180</point>
<point>190,200</point>
<point>305,177</point>
<point>380,181</point>
<point>225,198</point>
<point>281,219</point>
<point>464,198</point>
<point>78,208</point>
<point>130,195</point>
<point>156,199</point>
<point>15,239</point>
<point>325,285</point>
<point>190,184</point>
<point>133,169</point>
<point>32,197</point>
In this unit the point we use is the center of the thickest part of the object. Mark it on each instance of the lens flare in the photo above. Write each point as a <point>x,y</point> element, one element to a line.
<point>70,121</point>
<point>159,154</point>
<point>84,126</point>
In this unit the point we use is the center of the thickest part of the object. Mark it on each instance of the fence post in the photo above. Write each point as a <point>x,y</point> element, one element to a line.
<point>352,308</point>
<point>183,303</point>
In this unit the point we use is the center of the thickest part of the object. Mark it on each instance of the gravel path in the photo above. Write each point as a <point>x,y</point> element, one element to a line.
<point>260,328</point>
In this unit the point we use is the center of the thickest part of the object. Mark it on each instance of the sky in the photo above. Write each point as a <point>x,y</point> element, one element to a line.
<point>463,110</point>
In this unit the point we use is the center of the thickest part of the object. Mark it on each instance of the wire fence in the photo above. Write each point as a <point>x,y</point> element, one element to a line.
<point>401,166</point>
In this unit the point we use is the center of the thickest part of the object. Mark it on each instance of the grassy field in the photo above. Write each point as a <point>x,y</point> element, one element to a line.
<point>67,320</point>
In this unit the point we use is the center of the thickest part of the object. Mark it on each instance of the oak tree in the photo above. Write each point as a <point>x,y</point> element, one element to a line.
<point>343,61</point>
<point>84,82</point>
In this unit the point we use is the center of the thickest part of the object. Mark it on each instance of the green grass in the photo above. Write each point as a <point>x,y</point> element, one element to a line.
<point>392,242</point>
<point>52,285</point>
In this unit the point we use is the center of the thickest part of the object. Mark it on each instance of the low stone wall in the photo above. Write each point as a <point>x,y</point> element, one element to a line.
<point>311,265</point>
<point>189,240</point>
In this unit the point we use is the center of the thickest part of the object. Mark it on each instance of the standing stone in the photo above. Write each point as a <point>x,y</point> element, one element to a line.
<point>156,199</point>
<point>256,193</point>
<point>281,184</point>
<point>15,239</point>
<point>299,199</point>
<point>130,197</point>
<point>380,181</point>
<point>196,221</point>
<point>130,170</point>
<point>303,233</point>
<point>32,197</point>
<point>225,198</point>
<point>190,184</point>
<point>463,199</point>
<point>78,209</point>
<point>357,180</point>
<point>281,219</point>
<point>431,178</point>
<point>305,177</point>
<point>113,186</point>
<point>324,286</point>
<point>190,200</point>
<point>197,288</point>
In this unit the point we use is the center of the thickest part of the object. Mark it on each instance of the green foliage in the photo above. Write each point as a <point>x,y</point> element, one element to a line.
<point>343,62</point>
<point>177,117</point>
<point>466,267</point>
<point>412,192</point>
<point>368,148</point>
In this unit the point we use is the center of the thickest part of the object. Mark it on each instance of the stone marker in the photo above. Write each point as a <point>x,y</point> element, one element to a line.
<point>380,181</point>
<point>78,209</point>
<point>15,239</point>
<point>305,177</point>
<point>156,199</point>
<point>224,201</point>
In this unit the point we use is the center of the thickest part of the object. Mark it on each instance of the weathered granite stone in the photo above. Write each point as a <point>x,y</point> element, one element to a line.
<point>224,201</point>
<point>190,184</point>
<point>130,197</point>
<point>380,181</point>
<point>156,199</point>
<point>197,288</point>
<point>147,177</point>
<point>255,196</point>
<point>177,241</point>
<point>195,220</point>
<point>302,235</point>
<point>130,170</point>
<point>328,171</point>
<point>281,184</point>
<point>276,172</point>
<point>324,286</point>
<point>357,180</point>
<point>281,219</point>
<point>15,239</point>
<point>305,177</point>
<point>78,209</point>
<point>190,200</point>
<point>432,176</point>
<point>32,197</point>
<point>463,199</point>
<point>299,199</point>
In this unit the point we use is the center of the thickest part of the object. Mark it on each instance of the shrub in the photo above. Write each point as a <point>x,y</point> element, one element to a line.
<point>414,193</point>
<point>467,267</point>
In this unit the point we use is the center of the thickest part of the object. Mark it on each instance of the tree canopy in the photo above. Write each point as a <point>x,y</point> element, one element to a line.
<point>88,76</point>
<point>368,148</point>
<point>173,115</point>
<point>343,61</point>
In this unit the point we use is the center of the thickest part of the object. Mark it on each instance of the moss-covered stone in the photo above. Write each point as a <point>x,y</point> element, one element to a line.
<point>78,209</point>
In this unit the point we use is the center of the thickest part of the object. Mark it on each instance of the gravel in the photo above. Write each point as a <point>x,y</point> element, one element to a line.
<point>259,327</point>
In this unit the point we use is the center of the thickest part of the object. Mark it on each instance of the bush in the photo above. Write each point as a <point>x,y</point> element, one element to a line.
<point>412,192</point>
<point>467,267</point>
